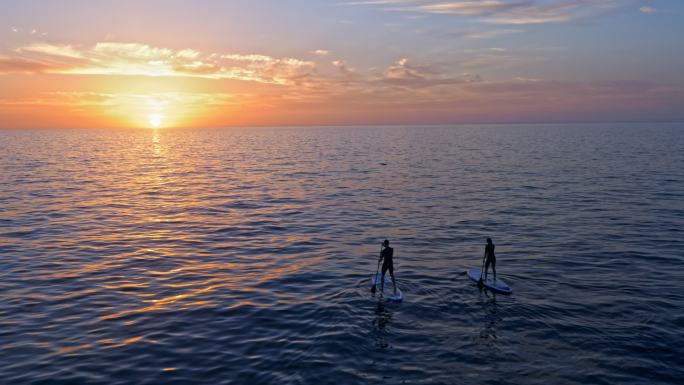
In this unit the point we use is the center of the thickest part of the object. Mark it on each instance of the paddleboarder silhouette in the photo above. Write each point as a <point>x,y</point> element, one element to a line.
<point>387,254</point>
<point>489,258</point>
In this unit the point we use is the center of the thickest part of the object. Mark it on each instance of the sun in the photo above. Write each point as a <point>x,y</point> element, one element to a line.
<point>154,120</point>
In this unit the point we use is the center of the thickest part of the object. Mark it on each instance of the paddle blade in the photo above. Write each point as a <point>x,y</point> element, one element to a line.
<point>373,289</point>
<point>480,283</point>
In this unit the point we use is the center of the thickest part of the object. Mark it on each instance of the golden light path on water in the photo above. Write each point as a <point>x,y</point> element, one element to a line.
<point>191,282</point>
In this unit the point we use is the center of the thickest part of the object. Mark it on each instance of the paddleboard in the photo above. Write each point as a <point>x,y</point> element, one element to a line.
<point>498,286</point>
<point>389,294</point>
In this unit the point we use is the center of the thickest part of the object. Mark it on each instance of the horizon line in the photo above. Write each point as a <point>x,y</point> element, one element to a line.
<point>352,125</point>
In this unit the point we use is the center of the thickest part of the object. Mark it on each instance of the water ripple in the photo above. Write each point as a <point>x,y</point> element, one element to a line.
<point>245,255</point>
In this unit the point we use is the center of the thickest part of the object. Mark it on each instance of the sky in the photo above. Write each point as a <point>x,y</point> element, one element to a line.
<point>213,63</point>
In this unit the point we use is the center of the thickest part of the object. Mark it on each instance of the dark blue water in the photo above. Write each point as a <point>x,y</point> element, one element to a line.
<point>244,256</point>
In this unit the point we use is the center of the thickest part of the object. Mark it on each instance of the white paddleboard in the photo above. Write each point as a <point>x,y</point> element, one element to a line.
<point>498,286</point>
<point>389,287</point>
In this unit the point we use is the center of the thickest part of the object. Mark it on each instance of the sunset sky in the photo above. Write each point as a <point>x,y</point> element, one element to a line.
<point>211,63</point>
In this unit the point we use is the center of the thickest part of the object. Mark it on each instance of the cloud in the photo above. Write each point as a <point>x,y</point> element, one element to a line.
<point>147,102</point>
<point>404,89</point>
<point>342,67</point>
<point>490,33</point>
<point>524,79</point>
<point>487,7</point>
<point>118,109</point>
<point>512,12</point>
<point>59,50</point>
<point>144,101</point>
<point>321,52</point>
<point>404,93</point>
<point>21,65</point>
<point>646,9</point>
<point>403,73</point>
<point>134,59</point>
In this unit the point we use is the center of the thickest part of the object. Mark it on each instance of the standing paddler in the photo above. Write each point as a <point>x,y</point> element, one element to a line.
<point>387,255</point>
<point>488,259</point>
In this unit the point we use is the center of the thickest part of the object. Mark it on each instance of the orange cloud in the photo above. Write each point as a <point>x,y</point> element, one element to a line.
<point>21,65</point>
<point>134,59</point>
<point>189,88</point>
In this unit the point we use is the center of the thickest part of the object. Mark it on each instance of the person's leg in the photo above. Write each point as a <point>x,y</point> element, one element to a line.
<point>487,262</point>
<point>494,267</point>
<point>382,278</point>
<point>394,283</point>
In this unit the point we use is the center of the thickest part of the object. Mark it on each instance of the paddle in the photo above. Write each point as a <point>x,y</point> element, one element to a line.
<point>373,289</point>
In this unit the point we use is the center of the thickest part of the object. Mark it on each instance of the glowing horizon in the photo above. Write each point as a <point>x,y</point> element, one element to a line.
<point>175,64</point>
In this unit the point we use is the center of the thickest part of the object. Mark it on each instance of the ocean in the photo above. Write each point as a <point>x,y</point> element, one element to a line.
<point>245,255</point>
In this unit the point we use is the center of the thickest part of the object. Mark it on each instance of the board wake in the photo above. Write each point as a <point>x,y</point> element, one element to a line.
<point>389,289</point>
<point>498,286</point>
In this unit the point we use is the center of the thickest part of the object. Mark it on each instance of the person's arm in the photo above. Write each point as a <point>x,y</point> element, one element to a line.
<point>485,255</point>
<point>381,255</point>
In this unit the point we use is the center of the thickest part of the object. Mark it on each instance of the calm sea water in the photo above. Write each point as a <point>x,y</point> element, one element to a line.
<point>244,256</point>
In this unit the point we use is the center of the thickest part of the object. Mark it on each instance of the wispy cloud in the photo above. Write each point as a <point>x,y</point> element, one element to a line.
<point>105,99</point>
<point>513,12</point>
<point>51,50</point>
<point>20,65</point>
<point>647,9</point>
<point>404,73</point>
<point>486,34</point>
<point>134,59</point>
<point>122,109</point>
<point>401,93</point>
